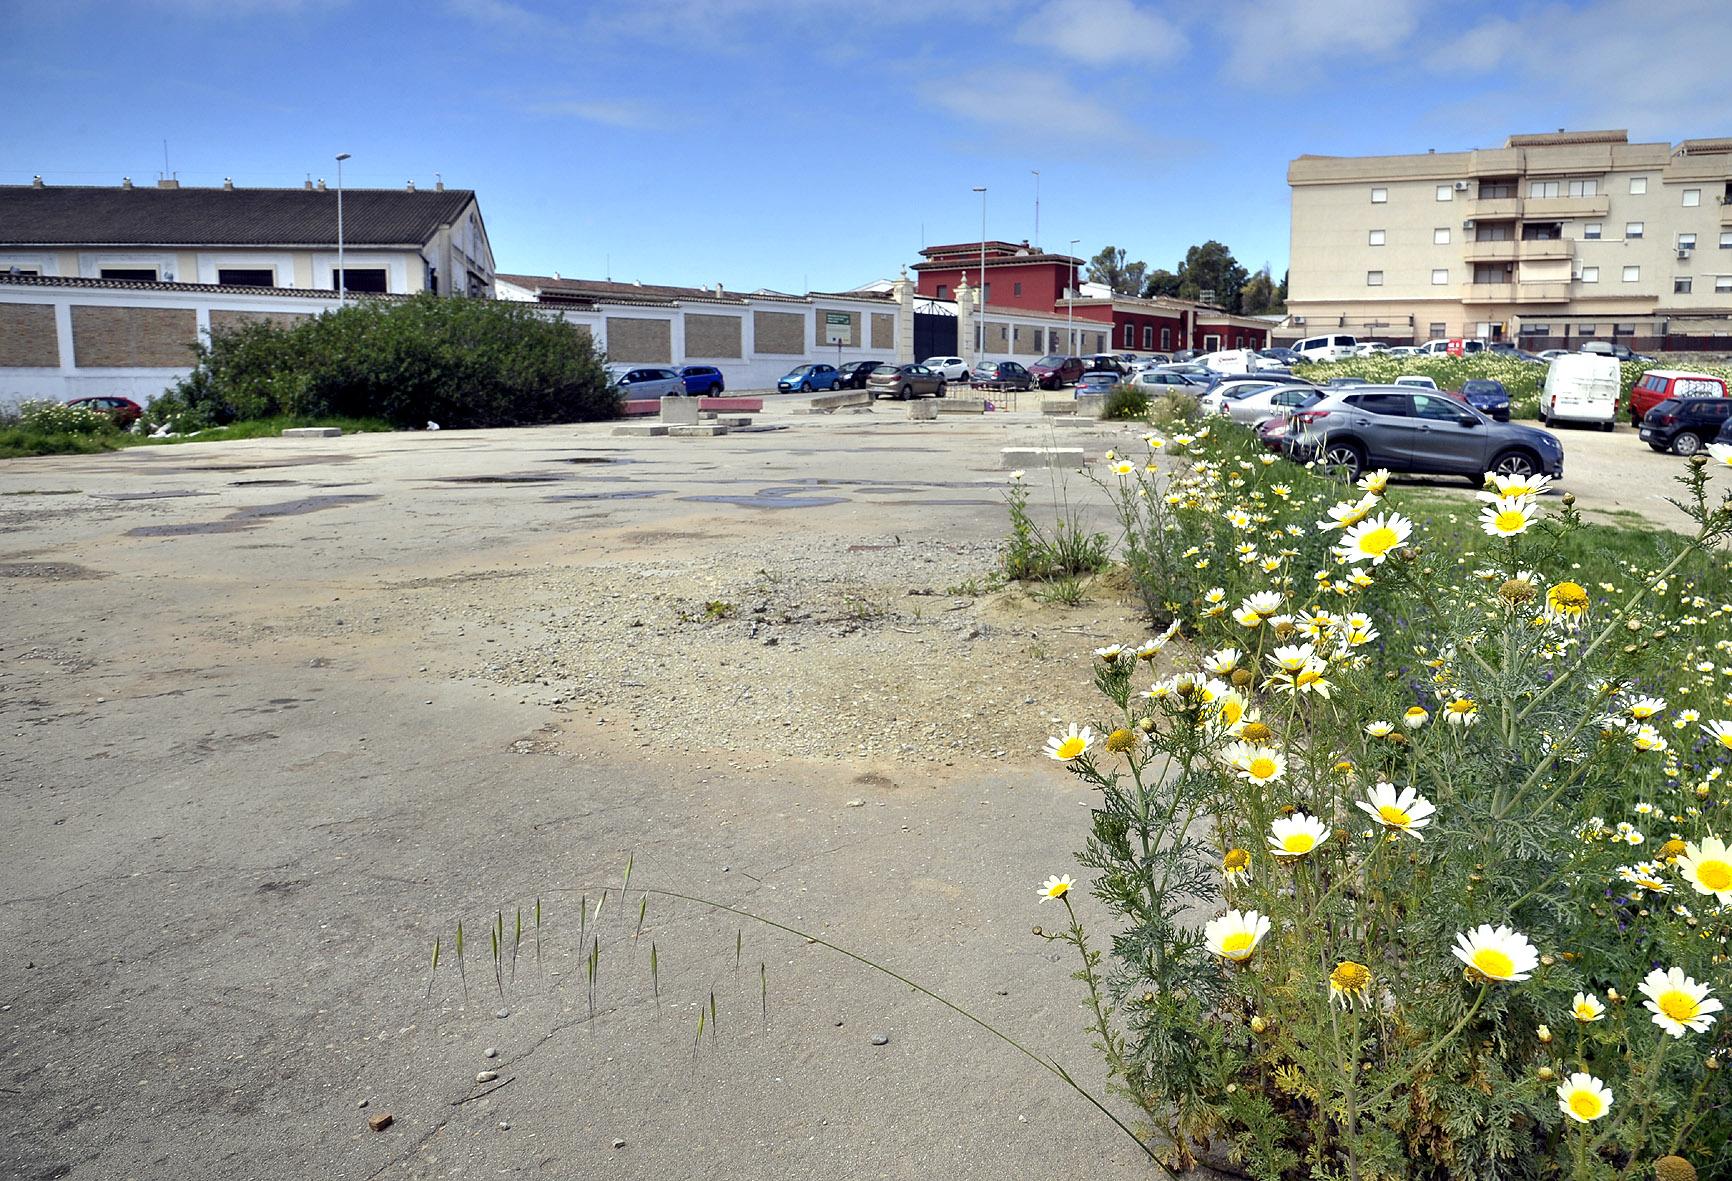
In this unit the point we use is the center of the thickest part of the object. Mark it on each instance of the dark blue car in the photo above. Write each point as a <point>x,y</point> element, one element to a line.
<point>1487,396</point>
<point>806,379</point>
<point>702,379</point>
<point>1097,381</point>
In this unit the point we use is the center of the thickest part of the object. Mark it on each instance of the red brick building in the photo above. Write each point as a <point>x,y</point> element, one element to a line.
<point>1022,276</point>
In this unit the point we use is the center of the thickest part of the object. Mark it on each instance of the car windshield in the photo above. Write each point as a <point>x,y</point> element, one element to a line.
<point>885,369</point>
<point>1052,362</point>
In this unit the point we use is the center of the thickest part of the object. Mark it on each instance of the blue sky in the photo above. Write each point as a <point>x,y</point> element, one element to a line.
<point>787,143</point>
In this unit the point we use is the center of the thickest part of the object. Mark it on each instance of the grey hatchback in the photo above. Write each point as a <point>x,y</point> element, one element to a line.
<point>1409,430</point>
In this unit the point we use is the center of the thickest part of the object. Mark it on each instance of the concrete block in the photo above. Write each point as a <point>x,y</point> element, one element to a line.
<point>678,411</point>
<point>923,409</point>
<point>1013,458</point>
<point>312,432</point>
<point>1058,405</point>
<point>1074,422</point>
<point>1091,405</point>
<point>642,430</point>
<point>734,420</point>
<point>841,398</point>
<point>706,430</point>
<point>962,405</point>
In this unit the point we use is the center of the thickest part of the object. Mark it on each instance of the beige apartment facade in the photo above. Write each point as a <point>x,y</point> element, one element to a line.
<point>1553,238</point>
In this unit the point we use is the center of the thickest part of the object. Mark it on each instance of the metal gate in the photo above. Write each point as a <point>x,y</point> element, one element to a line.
<point>934,336</point>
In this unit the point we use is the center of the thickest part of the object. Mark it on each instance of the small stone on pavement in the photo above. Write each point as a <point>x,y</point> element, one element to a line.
<point>881,1039</point>
<point>380,1122</point>
<point>486,1076</point>
<point>490,1052</point>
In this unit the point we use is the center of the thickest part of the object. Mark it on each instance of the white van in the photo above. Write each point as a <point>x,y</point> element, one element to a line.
<point>1231,361</point>
<point>1336,347</point>
<point>1581,387</point>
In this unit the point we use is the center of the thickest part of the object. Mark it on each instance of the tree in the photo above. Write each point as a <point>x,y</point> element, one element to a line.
<point>1257,296</point>
<point>1211,267</point>
<point>1161,282</point>
<point>1110,267</point>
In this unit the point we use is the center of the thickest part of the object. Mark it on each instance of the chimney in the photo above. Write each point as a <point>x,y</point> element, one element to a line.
<point>411,187</point>
<point>36,182</point>
<point>126,182</point>
<point>228,184</point>
<point>321,184</point>
<point>718,286</point>
<point>439,186</point>
<point>168,182</point>
<point>556,276</point>
<point>308,185</point>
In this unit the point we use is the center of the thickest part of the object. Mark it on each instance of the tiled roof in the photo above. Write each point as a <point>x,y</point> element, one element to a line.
<point>61,215</point>
<point>75,281</point>
<point>591,291</point>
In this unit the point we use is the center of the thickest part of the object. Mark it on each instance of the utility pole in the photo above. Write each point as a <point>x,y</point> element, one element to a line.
<point>342,275</point>
<point>1070,305</point>
<point>980,352</point>
<point>1036,172</point>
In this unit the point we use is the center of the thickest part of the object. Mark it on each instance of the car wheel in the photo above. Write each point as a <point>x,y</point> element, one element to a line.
<point>905,393</point>
<point>941,389</point>
<point>1344,455</point>
<point>1609,427</point>
<point>1515,463</point>
<point>1686,444</point>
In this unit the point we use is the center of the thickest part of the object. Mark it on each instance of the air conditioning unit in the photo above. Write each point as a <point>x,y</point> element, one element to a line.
<point>1299,319</point>
<point>1461,186</point>
<point>1684,252</point>
<point>1468,224</point>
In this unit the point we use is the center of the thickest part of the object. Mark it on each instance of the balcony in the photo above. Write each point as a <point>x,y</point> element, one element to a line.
<point>1556,292</point>
<point>1726,213</point>
<point>1492,208</point>
<point>1558,208</point>
<point>1553,248</point>
<point>1505,251</point>
<point>1489,293</point>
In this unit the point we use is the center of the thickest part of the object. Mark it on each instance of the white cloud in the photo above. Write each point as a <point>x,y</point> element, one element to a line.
<point>1100,32</point>
<point>609,112</point>
<point>1034,106</point>
<point>1288,34</point>
<point>502,15</point>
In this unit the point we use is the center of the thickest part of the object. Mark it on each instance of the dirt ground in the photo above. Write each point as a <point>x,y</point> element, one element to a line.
<point>280,713</point>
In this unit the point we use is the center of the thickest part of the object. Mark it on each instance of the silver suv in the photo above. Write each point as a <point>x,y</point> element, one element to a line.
<point>1409,430</point>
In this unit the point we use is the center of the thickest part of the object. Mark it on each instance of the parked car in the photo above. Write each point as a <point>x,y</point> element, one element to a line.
<point>1105,362</point>
<point>1504,348</point>
<point>1271,431</point>
<point>1282,400</point>
<point>1373,348</point>
<point>853,374</point>
<point>1335,347</point>
<point>1096,381</point>
<point>1454,346</point>
<point>1409,430</point>
<point>1001,375</point>
<point>646,383</point>
<point>1607,348</point>
<point>124,411</point>
<point>1684,426</point>
<point>905,381</point>
<point>950,368</point>
<point>1185,355</point>
<point>806,379</point>
<point>1656,385</point>
<point>1550,355</point>
<point>1417,381</point>
<point>1231,361</point>
<point>1281,356</point>
<point>702,379</point>
<point>1581,387</point>
<point>1163,380</point>
<point>1214,401</point>
<point>1341,383</point>
<point>1486,396</point>
<point>1053,371</point>
<point>1403,350</point>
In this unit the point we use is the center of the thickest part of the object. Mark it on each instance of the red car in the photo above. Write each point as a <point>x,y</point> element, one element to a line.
<point>1051,372</point>
<point>1656,385</point>
<point>124,411</point>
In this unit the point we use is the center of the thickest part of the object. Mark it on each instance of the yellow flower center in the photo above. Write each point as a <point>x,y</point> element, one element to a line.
<point>1726,739</point>
<point>1236,859</point>
<point>1716,875</point>
<point>1350,977</point>
<point>1677,1004</point>
<point>1510,521</point>
<point>1493,963</point>
<point>1569,597</point>
<point>1237,945</point>
<point>1587,1104</point>
<point>1379,541</point>
<point>1393,815</point>
<point>1231,711</point>
<point>1461,705</point>
<point>1298,842</point>
<point>1071,748</point>
<point>1518,490</point>
<point>1308,677</point>
<point>1256,731</point>
<point>1585,1012</point>
<point>1262,767</point>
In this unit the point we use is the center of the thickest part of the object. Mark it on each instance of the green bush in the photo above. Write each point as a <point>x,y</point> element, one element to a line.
<point>1523,379</point>
<point>57,418</point>
<point>1127,402</point>
<point>458,362</point>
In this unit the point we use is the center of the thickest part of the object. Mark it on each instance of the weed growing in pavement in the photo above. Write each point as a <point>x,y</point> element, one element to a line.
<point>974,588</point>
<point>1069,547</point>
<point>1416,866</point>
<point>1067,590</point>
<point>1126,403</point>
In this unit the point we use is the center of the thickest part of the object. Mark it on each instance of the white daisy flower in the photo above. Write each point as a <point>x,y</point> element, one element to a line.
<point>1373,540</point>
<point>1496,953</point>
<point>1297,835</point>
<point>1678,1003</point>
<point>1405,811</point>
<point>1584,1098</point>
<point>1071,745</point>
<point>1235,935</point>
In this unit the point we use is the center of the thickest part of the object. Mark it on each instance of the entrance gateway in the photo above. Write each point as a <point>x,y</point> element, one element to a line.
<point>934,335</point>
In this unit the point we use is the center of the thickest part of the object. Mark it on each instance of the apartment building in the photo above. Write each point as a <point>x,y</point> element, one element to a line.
<point>1551,239</point>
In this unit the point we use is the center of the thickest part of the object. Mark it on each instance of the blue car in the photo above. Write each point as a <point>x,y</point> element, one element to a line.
<point>702,379</point>
<point>1487,396</point>
<point>1097,381</point>
<point>806,379</point>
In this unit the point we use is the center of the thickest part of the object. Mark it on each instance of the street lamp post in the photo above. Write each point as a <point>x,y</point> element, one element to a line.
<point>980,350</point>
<point>342,276</point>
<point>1070,304</point>
<point>1036,172</point>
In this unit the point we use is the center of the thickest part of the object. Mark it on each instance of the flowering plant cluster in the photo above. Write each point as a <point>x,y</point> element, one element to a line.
<point>1416,857</point>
